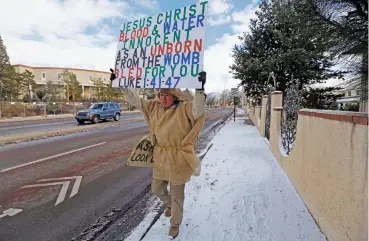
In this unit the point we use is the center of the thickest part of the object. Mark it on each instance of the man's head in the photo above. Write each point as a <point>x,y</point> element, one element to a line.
<point>167,97</point>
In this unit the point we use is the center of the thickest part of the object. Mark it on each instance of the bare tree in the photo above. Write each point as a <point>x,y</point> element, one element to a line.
<point>210,100</point>
<point>224,97</point>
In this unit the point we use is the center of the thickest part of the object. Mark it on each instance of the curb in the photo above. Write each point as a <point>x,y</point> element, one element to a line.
<point>201,155</point>
<point>34,118</point>
<point>53,133</point>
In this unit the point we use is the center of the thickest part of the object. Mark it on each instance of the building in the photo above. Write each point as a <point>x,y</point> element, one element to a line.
<point>351,97</point>
<point>84,76</point>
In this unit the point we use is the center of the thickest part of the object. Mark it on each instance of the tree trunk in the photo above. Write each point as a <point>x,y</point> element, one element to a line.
<point>67,94</point>
<point>74,103</point>
<point>363,106</point>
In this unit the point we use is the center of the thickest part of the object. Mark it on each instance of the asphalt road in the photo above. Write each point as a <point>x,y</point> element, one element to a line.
<point>22,127</point>
<point>93,179</point>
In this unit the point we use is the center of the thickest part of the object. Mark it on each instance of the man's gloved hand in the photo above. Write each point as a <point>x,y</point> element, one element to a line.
<point>202,79</point>
<point>112,75</point>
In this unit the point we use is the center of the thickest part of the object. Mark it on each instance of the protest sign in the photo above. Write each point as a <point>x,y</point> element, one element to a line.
<point>162,51</point>
<point>142,153</point>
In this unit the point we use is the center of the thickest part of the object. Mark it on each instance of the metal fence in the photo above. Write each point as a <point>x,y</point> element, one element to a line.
<point>21,109</point>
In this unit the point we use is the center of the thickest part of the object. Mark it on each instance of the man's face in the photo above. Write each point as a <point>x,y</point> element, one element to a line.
<point>166,100</point>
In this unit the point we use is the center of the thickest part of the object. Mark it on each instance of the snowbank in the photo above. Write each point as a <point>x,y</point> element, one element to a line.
<point>240,111</point>
<point>241,195</point>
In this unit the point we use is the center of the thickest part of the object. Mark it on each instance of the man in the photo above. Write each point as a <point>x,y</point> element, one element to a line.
<point>175,125</point>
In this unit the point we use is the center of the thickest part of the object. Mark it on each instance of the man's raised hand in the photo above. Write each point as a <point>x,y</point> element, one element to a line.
<point>112,75</point>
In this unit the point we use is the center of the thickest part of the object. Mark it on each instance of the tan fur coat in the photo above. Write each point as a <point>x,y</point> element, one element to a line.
<point>175,132</point>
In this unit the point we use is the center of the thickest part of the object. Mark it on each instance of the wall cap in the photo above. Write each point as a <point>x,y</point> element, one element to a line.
<point>265,96</point>
<point>278,108</point>
<point>360,118</point>
<point>277,92</point>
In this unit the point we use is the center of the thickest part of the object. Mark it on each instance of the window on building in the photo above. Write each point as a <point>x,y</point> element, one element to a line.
<point>58,75</point>
<point>349,93</point>
<point>43,75</point>
<point>90,78</point>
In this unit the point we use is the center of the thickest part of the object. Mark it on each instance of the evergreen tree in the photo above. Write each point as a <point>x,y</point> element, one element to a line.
<point>6,86</point>
<point>4,58</point>
<point>99,88</point>
<point>319,98</point>
<point>65,76</point>
<point>344,24</point>
<point>27,82</point>
<point>112,93</point>
<point>276,44</point>
<point>74,87</point>
<point>53,89</point>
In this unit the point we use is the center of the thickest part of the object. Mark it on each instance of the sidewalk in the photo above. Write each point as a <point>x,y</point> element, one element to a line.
<point>241,195</point>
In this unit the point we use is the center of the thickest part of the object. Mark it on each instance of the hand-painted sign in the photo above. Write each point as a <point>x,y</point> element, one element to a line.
<point>142,153</point>
<point>162,51</point>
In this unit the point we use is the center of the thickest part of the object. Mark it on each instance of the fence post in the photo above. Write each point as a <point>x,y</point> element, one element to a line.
<point>263,114</point>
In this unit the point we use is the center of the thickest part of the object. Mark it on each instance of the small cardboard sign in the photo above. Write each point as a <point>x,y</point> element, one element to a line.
<point>162,51</point>
<point>142,153</point>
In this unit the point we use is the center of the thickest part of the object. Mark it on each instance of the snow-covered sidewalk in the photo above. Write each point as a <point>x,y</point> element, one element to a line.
<point>241,195</point>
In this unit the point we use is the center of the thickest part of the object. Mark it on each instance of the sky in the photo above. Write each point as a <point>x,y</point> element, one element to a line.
<point>84,33</point>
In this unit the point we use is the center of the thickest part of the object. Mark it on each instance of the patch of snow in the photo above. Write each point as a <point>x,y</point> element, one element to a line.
<point>282,150</point>
<point>240,111</point>
<point>281,147</point>
<point>153,207</point>
<point>266,141</point>
<point>241,195</point>
<point>203,152</point>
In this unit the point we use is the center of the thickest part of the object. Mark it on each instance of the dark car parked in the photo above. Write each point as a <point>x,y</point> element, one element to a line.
<point>99,111</point>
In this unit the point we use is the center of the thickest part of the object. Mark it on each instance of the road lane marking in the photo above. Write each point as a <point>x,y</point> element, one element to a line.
<point>62,193</point>
<point>76,185</point>
<point>11,212</point>
<point>51,157</point>
<point>59,181</point>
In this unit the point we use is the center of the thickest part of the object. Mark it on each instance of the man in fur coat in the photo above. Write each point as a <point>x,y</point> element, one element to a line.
<point>175,122</point>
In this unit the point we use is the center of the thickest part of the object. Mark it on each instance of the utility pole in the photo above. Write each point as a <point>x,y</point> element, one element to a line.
<point>234,108</point>
<point>1,96</point>
<point>234,92</point>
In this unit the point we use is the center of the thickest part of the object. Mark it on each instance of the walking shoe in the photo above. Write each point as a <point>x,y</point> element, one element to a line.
<point>168,212</point>
<point>173,232</point>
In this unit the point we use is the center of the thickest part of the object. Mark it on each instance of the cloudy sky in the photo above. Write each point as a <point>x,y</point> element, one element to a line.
<point>83,33</point>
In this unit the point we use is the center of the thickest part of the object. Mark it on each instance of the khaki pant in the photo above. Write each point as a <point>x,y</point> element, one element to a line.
<point>174,199</point>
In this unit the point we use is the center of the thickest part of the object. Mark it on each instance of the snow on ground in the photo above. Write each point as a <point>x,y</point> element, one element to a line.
<point>240,111</point>
<point>241,195</point>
